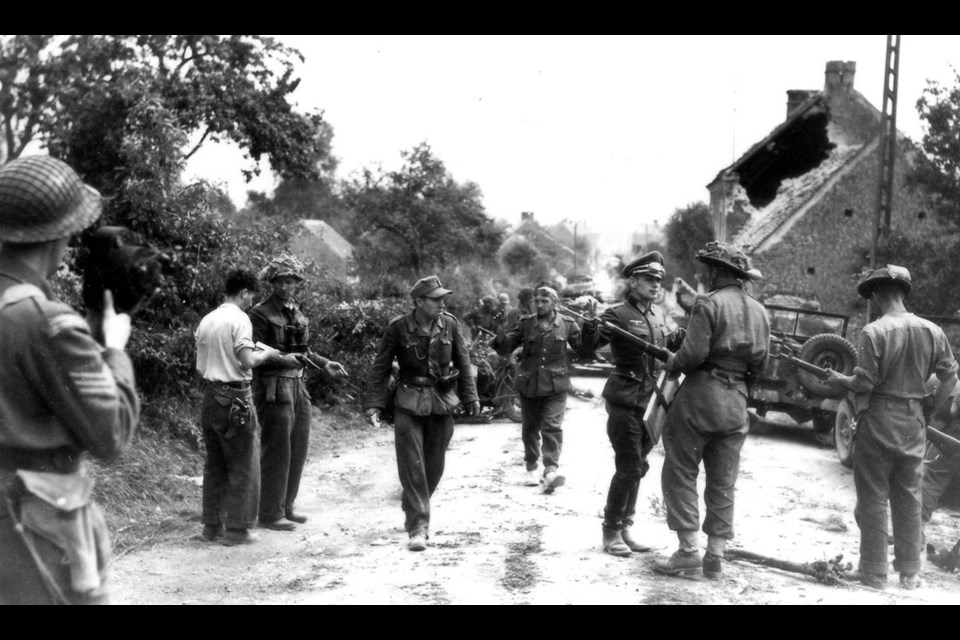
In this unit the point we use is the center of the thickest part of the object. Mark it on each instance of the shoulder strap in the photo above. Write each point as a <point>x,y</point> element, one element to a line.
<point>19,292</point>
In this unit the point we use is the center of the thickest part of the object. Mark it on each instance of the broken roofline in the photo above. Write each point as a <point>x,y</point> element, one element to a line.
<point>817,98</point>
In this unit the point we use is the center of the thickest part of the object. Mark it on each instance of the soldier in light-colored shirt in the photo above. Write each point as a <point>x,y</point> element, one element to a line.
<point>226,354</point>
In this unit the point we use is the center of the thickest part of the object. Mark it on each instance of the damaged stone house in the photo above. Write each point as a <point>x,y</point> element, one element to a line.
<point>811,188</point>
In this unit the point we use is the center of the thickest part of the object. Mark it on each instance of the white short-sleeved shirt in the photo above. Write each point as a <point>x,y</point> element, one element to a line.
<point>221,336</point>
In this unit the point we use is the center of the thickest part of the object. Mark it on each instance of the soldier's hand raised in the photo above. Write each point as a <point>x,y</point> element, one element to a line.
<point>115,326</point>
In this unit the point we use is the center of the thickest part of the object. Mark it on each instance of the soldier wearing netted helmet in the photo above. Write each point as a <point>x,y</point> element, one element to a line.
<point>63,395</point>
<point>725,349</point>
<point>280,394</point>
<point>897,353</point>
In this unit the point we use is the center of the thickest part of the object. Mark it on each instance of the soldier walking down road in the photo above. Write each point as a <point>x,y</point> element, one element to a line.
<point>628,390</point>
<point>725,349</point>
<point>62,395</point>
<point>231,432</point>
<point>543,380</point>
<point>280,394</point>
<point>897,354</point>
<point>434,380</point>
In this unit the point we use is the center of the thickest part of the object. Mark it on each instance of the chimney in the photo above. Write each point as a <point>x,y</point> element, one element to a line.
<point>795,98</point>
<point>526,215</point>
<point>839,76</point>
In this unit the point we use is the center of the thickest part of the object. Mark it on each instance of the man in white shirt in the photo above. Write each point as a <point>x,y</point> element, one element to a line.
<point>226,354</point>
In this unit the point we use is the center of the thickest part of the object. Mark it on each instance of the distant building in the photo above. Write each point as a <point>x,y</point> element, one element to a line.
<point>320,242</point>
<point>810,189</point>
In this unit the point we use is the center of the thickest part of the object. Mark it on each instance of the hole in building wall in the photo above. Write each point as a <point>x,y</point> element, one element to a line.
<point>921,215</point>
<point>811,271</point>
<point>795,151</point>
<point>848,213</point>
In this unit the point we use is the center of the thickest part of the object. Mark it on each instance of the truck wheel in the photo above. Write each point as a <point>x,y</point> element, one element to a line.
<point>844,428</point>
<point>827,351</point>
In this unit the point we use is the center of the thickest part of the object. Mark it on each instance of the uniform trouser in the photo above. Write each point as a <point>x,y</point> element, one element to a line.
<point>542,418</point>
<point>882,473</point>
<point>707,422</point>
<point>231,472</point>
<point>631,444</point>
<point>285,426</point>
<point>939,470</point>
<point>20,579</point>
<point>421,443</point>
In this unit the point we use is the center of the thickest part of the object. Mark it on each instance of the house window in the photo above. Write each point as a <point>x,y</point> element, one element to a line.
<point>848,213</point>
<point>811,271</point>
<point>921,215</point>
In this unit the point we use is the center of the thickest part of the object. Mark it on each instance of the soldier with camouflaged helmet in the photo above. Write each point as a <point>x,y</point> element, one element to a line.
<point>63,395</point>
<point>725,349</point>
<point>897,353</point>
<point>280,394</point>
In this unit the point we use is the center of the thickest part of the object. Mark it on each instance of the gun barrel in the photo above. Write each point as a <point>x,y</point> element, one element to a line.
<point>947,444</point>
<point>656,351</point>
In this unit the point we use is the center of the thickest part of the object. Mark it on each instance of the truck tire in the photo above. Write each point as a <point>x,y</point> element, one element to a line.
<point>827,351</point>
<point>843,432</point>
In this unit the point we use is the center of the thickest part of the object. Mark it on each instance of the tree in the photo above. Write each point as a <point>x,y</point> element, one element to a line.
<point>688,230</point>
<point>416,220</point>
<point>127,111</point>
<point>938,168</point>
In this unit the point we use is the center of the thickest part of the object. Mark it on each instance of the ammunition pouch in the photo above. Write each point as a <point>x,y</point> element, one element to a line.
<point>57,509</point>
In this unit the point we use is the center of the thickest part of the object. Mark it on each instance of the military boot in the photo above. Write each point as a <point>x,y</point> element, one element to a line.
<point>631,542</point>
<point>681,563</point>
<point>613,543</point>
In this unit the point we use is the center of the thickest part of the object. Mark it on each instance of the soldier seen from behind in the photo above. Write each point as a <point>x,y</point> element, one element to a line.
<point>63,395</point>
<point>896,355</point>
<point>724,350</point>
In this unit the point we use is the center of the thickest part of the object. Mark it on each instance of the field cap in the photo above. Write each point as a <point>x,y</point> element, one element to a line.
<point>428,287</point>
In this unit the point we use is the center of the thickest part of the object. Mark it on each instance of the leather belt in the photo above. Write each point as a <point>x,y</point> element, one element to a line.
<point>419,381</point>
<point>62,460</point>
<point>238,384</point>
<point>727,376</point>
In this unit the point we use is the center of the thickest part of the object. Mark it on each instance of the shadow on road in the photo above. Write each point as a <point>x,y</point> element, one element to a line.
<point>785,430</point>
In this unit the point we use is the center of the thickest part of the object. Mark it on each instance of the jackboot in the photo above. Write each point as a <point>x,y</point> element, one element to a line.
<point>613,543</point>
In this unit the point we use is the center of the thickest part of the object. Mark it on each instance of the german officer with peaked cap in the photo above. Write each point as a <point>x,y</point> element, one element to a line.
<point>63,395</point>
<point>434,380</point>
<point>726,347</point>
<point>897,353</point>
<point>628,390</point>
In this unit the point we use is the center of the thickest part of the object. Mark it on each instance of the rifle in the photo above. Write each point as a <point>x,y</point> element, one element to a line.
<point>945,443</point>
<point>647,347</point>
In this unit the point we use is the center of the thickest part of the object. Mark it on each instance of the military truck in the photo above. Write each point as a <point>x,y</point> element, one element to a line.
<point>804,334</point>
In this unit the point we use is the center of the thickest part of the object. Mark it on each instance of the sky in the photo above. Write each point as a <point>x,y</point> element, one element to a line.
<point>613,133</point>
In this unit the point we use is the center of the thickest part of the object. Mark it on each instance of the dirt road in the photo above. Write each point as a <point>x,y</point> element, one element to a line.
<point>495,541</point>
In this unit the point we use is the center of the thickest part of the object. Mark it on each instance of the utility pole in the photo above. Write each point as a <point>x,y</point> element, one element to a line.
<point>888,149</point>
